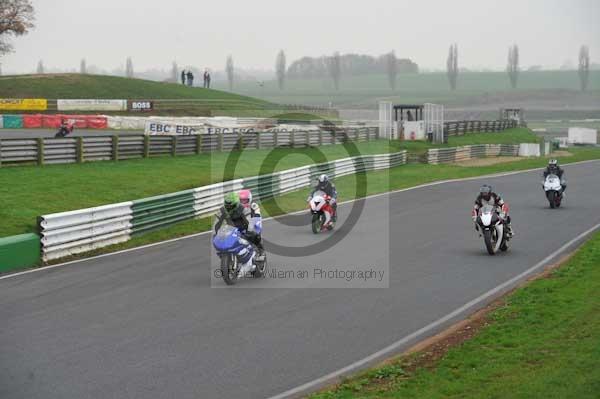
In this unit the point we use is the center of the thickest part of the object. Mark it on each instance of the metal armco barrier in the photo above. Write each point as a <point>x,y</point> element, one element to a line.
<point>68,233</point>
<point>458,128</point>
<point>89,149</point>
<point>465,153</point>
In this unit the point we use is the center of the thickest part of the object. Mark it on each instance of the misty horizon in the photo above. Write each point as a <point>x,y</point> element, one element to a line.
<point>549,34</point>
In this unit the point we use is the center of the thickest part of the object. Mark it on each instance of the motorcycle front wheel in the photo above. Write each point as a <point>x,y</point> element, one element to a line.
<point>229,269</point>
<point>490,245</point>
<point>317,223</point>
<point>552,199</point>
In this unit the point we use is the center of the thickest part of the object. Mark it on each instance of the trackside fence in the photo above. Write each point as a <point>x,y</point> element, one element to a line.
<point>458,128</point>
<point>115,148</point>
<point>69,233</point>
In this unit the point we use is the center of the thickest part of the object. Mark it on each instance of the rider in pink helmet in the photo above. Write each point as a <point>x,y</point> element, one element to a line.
<point>252,212</point>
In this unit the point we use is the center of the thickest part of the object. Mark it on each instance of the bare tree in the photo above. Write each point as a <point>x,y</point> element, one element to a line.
<point>513,65</point>
<point>83,67</point>
<point>392,69</point>
<point>129,68</point>
<point>584,66</point>
<point>335,69</point>
<point>174,72</point>
<point>40,68</point>
<point>16,19</point>
<point>452,65</point>
<point>229,69</point>
<point>280,69</point>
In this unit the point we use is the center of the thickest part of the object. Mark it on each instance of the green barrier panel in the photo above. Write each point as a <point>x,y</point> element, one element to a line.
<point>19,252</point>
<point>12,121</point>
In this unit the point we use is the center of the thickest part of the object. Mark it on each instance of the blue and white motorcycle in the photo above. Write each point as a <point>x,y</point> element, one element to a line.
<point>236,252</point>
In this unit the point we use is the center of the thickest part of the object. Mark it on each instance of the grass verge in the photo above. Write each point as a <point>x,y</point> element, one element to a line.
<point>400,177</point>
<point>541,341</point>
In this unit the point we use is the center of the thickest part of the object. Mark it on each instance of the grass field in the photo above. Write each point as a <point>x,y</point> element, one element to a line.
<point>31,191</point>
<point>474,88</point>
<point>541,342</point>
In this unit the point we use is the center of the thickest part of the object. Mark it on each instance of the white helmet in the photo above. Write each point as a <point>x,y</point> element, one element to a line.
<point>323,178</point>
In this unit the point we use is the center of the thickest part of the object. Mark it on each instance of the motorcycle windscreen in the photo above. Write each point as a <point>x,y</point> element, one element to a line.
<point>226,238</point>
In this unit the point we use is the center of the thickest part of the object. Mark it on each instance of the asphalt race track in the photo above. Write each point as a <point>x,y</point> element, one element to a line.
<point>147,324</point>
<point>35,133</point>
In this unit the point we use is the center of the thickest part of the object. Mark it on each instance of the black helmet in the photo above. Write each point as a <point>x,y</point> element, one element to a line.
<point>486,192</point>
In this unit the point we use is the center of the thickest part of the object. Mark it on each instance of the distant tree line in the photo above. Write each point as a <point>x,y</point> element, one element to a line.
<point>348,65</point>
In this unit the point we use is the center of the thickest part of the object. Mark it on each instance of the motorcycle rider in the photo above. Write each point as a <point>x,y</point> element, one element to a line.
<point>554,169</point>
<point>65,127</point>
<point>252,214</point>
<point>487,196</point>
<point>325,185</point>
<point>234,213</point>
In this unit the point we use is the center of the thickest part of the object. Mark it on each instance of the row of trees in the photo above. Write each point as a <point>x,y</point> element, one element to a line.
<point>512,66</point>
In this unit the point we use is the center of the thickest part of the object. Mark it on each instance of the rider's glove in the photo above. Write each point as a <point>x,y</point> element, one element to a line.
<point>332,200</point>
<point>502,215</point>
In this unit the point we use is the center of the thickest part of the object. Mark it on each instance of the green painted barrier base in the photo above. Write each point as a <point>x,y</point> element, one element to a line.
<point>18,252</point>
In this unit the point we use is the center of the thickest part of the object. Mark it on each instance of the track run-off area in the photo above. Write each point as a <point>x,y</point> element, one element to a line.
<point>152,322</point>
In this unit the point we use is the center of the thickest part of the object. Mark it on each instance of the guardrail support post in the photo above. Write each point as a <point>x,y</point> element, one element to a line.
<point>40,151</point>
<point>258,140</point>
<point>198,143</point>
<point>356,134</point>
<point>292,139</point>
<point>275,139</point>
<point>146,147</point>
<point>173,146</point>
<point>240,142</point>
<point>308,138</point>
<point>220,145</point>
<point>80,149</point>
<point>115,148</point>
<point>320,137</point>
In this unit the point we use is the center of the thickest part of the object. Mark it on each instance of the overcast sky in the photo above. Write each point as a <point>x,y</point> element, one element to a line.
<point>203,33</point>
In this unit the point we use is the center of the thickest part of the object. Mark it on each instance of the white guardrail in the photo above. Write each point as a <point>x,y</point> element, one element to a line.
<point>68,233</point>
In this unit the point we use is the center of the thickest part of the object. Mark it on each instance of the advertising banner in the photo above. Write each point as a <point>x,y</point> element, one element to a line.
<point>171,129</point>
<point>140,105</point>
<point>92,105</point>
<point>32,121</point>
<point>26,104</point>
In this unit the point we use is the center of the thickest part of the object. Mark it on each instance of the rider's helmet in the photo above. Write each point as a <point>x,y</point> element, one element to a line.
<point>245,198</point>
<point>486,192</point>
<point>231,202</point>
<point>553,163</point>
<point>323,178</point>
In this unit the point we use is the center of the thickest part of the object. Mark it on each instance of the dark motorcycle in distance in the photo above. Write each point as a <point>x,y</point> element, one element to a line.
<point>64,130</point>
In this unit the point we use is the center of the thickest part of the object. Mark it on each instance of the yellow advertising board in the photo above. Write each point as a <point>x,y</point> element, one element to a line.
<point>25,104</point>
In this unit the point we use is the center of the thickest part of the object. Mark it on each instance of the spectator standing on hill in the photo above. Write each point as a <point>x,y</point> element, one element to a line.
<point>183,77</point>
<point>206,79</point>
<point>190,78</point>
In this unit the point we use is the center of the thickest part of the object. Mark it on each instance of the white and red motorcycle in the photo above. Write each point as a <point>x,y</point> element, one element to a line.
<point>322,212</point>
<point>491,226</point>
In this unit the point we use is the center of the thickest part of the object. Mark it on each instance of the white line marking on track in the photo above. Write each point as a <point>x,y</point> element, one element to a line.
<point>435,183</point>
